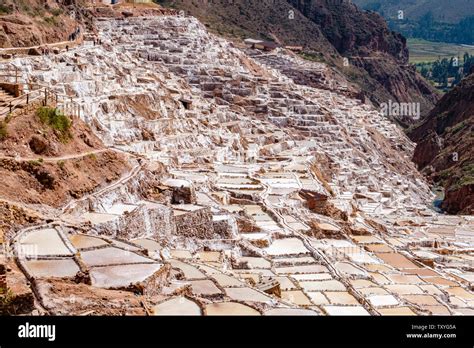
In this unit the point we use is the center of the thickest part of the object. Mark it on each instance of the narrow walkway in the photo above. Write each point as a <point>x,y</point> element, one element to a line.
<point>60,44</point>
<point>55,159</point>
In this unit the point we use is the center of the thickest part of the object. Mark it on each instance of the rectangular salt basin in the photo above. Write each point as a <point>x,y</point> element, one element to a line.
<point>341,298</point>
<point>120,209</point>
<point>190,272</point>
<point>99,218</point>
<point>382,300</point>
<point>348,268</point>
<point>246,294</point>
<point>111,256</point>
<point>396,311</point>
<point>396,260</point>
<point>227,281</point>
<point>52,268</point>
<point>366,239</point>
<point>287,246</point>
<point>81,241</point>
<point>42,243</point>
<point>256,262</point>
<point>209,256</point>
<point>318,298</point>
<point>124,245</point>
<point>204,287</point>
<point>297,297</point>
<point>322,285</point>
<point>208,269</point>
<point>122,275</point>
<point>361,257</point>
<point>302,269</point>
<point>148,244</point>
<point>404,289</point>
<point>312,276</point>
<point>345,310</point>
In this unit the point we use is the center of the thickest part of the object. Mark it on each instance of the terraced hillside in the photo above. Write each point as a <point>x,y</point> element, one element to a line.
<point>251,192</point>
<point>376,58</point>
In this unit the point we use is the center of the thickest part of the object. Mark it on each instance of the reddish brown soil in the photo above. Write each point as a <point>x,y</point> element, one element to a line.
<point>55,183</point>
<point>28,137</point>
<point>48,177</point>
<point>25,23</point>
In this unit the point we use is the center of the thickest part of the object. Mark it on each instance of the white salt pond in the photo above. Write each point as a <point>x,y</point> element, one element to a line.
<point>246,294</point>
<point>148,244</point>
<point>382,300</point>
<point>111,256</point>
<point>51,268</point>
<point>348,268</point>
<point>345,310</point>
<point>177,306</point>
<point>99,218</point>
<point>290,311</point>
<point>323,285</point>
<point>122,275</point>
<point>256,262</point>
<point>227,281</point>
<point>42,243</point>
<point>287,246</point>
<point>204,287</point>
<point>190,272</point>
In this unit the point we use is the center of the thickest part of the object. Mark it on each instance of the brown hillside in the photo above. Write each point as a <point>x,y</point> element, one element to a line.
<point>38,165</point>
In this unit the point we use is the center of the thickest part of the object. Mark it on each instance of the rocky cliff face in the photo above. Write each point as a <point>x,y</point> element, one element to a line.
<point>445,144</point>
<point>329,31</point>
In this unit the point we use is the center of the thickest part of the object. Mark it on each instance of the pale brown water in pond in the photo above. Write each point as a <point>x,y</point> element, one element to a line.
<point>230,308</point>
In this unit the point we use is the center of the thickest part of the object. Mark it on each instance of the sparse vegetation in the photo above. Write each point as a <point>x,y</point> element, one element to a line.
<point>92,156</point>
<point>456,128</point>
<point>56,12</point>
<point>4,9</point>
<point>3,130</point>
<point>61,164</point>
<point>56,120</point>
<point>51,20</point>
<point>36,163</point>
<point>6,298</point>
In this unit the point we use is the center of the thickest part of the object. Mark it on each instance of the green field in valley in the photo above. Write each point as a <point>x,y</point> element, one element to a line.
<point>427,51</point>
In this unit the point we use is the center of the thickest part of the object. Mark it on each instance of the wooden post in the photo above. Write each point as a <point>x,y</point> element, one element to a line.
<point>45,97</point>
<point>27,98</point>
<point>10,107</point>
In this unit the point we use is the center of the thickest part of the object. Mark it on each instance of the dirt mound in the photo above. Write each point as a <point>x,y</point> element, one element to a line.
<point>53,183</point>
<point>28,136</point>
<point>12,216</point>
<point>40,165</point>
<point>63,297</point>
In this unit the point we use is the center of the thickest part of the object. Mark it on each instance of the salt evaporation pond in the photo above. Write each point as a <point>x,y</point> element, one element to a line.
<point>177,306</point>
<point>230,308</point>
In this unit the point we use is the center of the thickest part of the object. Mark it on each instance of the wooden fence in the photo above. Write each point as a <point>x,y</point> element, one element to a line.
<point>46,97</point>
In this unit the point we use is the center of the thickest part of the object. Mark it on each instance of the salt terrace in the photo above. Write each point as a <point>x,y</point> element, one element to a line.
<point>276,198</point>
